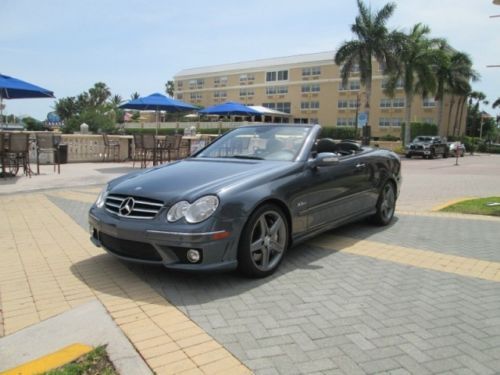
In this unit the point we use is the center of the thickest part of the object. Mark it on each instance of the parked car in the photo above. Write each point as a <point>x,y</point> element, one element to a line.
<point>428,147</point>
<point>243,200</point>
<point>454,146</point>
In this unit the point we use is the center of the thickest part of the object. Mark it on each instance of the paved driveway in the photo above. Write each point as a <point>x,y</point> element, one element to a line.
<point>420,296</point>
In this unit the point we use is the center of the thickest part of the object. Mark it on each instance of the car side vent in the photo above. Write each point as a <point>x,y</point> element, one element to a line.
<point>133,207</point>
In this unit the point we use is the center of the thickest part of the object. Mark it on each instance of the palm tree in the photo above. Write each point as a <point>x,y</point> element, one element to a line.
<point>116,101</point>
<point>414,69</point>
<point>169,88</point>
<point>135,95</point>
<point>373,40</point>
<point>99,94</point>
<point>452,69</point>
<point>496,103</point>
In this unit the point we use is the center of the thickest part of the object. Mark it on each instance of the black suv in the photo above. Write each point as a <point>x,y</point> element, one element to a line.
<point>428,146</point>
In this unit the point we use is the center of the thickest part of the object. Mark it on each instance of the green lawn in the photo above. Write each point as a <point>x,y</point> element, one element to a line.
<point>94,363</point>
<point>476,207</point>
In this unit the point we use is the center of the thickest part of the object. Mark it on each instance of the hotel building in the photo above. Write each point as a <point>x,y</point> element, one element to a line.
<point>309,88</point>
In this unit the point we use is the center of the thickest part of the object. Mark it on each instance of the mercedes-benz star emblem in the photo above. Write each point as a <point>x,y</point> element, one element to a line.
<point>127,206</point>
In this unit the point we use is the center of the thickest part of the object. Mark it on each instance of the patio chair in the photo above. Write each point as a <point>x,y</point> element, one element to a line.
<point>2,153</point>
<point>47,144</point>
<point>149,147</point>
<point>138,149</point>
<point>171,145</point>
<point>110,148</point>
<point>18,150</point>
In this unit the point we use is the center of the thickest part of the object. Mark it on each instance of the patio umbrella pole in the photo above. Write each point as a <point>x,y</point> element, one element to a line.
<point>157,120</point>
<point>1,111</point>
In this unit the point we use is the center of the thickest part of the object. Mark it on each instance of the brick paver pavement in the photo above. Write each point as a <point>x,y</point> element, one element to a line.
<point>47,266</point>
<point>420,296</point>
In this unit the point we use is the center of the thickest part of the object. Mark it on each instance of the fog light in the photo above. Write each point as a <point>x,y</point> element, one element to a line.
<point>193,256</point>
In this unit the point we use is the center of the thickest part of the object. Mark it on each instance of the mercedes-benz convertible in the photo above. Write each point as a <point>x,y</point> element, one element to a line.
<point>244,199</point>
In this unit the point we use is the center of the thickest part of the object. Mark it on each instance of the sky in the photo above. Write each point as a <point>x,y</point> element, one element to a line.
<point>137,46</point>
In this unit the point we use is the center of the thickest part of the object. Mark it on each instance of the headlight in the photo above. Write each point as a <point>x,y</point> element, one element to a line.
<point>177,211</point>
<point>195,212</point>
<point>101,198</point>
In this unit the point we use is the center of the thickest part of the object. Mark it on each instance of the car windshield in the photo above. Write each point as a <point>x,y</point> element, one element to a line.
<point>261,142</point>
<point>422,139</point>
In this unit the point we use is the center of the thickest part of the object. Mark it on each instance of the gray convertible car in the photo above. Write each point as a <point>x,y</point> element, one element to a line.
<point>243,200</point>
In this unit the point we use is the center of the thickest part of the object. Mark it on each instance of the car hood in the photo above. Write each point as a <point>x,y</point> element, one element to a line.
<point>191,178</point>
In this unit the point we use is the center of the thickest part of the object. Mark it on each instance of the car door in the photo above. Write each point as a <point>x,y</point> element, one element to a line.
<point>335,193</point>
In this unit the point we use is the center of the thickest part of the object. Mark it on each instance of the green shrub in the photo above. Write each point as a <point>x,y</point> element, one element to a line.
<point>389,137</point>
<point>338,133</point>
<point>422,128</point>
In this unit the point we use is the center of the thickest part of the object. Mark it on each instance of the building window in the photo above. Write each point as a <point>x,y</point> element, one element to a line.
<point>353,103</point>
<point>385,103</point>
<point>429,103</point>
<point>342,104</point>
<point>398,102</point>
<point>220,80</point>
<point>273,90</point>
<point>196,83</point>
<point>354,85</point>
<point>281,75</point>
<point>247,92</point>
<point>196,96</point>
<point>247,77</point>
<point>385,83</point>
<point>179,96</point>
<point>312,71</point>
<point>283,107</point>
<point>310,105</point>
<point>269,105</point>
<point>220,94</point>
<point>385,122</point>
<point>179,85</point>
<point>428,120</point>
<point>311,88</point>
<point>346,121</point>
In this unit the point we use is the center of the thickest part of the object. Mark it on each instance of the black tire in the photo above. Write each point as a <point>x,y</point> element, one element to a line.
<point>386,205</point>
<point>462,154</point>
<point>408,156</point>
<point>263,242</point>
<point>445,155</point>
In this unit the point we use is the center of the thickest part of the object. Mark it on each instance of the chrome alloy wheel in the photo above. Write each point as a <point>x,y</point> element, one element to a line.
<point>388,202</point>
<point>268,240</point>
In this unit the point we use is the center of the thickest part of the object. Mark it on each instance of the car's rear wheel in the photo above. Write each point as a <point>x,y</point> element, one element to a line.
<point>263,242</point>
<point>408,156</point>
<point>386,205</point>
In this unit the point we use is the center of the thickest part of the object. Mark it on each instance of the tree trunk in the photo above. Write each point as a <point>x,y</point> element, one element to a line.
<point>440,114</point>
<point>367,105</point>
<point>452,103</point>
<point>409,101</point>
<point>460,112</point>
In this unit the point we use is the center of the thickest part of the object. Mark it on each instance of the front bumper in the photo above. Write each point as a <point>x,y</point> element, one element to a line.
<point>424,152</point>
<point>146,242</point>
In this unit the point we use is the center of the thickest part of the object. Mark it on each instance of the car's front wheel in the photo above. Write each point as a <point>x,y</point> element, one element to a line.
<point>263,242</point>
<point>386,205</point>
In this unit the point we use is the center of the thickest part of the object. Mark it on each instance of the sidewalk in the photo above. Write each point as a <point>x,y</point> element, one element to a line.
<point>48,266</point>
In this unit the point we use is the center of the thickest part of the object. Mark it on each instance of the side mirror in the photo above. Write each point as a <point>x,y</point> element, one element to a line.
<point>325,159</point>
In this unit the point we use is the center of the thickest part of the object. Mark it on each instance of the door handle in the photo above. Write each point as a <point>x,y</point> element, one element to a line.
<point>360,165</point>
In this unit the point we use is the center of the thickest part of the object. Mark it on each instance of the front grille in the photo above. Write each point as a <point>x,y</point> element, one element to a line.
<point>129,249</point>
<point>133,207</point>
<point>417,147</point>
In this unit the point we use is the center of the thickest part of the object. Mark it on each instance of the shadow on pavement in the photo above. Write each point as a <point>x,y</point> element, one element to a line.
<point>190,288</point>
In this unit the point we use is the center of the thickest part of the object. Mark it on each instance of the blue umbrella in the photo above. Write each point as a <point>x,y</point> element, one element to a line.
<point>13,88</point>
<point>158,102</point>
<point>230,109</point>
